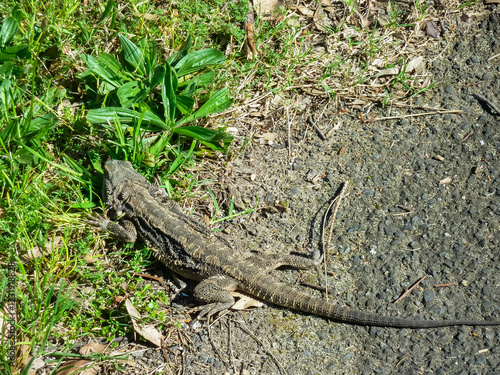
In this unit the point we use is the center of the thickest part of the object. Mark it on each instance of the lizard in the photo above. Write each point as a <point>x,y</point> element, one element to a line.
<point>137,209</point>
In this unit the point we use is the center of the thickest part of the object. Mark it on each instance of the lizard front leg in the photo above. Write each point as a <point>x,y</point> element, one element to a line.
<point>215,292</point>
<point>124,231</point>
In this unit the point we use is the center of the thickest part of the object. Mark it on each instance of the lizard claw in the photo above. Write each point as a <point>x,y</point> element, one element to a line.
<point>98,221</point>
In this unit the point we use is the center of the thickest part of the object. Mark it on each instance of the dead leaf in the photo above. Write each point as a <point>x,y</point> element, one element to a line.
<point>267,136</point>
<point>266,7</point>
<point>305,11</point>
<point>432,30</point>
<point>250,48</point>
<point>321,20</point>
<point>151,17</point>
<point>94,347</point>
<point>445,180</point>
<point>492,1</point>
<point>75,367</point>
<point>416,65</point>
<point>245,302</point>
<point>388,72</point>
<point>148,331</point>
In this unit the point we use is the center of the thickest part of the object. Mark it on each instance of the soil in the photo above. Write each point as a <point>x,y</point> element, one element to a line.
<point>423,199</point>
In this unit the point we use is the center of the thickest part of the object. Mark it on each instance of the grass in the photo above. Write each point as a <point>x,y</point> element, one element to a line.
<point>148,82</point>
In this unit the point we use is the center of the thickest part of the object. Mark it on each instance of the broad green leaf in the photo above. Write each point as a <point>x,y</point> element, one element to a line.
<point>133,54</point>
<point>168,90</point>
<point>185,104</point>
<point>199,81</point>
<point>11,53</point>
<point>158,75</point>
<point>150,53</point>
<point>110,6</point>
<point>126,116</point>
<point>131,92</point>
<point>101,70</point>
<point>111,65</point>
<point>218,102</point>
<point>9,29</point>
<point>199,60</point>
<point>6,70</point>
<point>210,138</point>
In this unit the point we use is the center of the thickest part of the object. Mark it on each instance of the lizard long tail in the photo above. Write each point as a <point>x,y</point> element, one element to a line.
<point>280,294</point>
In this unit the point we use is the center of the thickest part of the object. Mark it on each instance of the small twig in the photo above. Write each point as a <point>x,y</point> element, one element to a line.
<point>409,290</point>
<point>162,282</point>
<point>310,121</point>
<point>328,241</point>
<point>443,285</point>
<point>492,57</point>
<point>415,115</point>
<point>231,354</point>
<point>216,349</point>
<point>262,345</point>
<point>315,286</point>
<point>406,208</point>
<point>467,136</point>
<point>487,101</point>
<point>326,247</point>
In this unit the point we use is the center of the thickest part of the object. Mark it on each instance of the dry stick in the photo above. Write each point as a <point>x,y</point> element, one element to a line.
<point>217,350</point>
<point>252,335</point>
<point>487,101</point>
<point>341,195</point>
<point>289,135</point>
<point>416,115</point>
<point>409,290</point>
<point>315,286</point>
<point>442,285</point>
<point>492,57</point>
<point>231,354</point>
<point>327,245</point>
<point>310,121</point>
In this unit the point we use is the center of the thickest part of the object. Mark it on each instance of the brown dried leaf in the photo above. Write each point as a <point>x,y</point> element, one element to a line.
<point>250,48</point>
<point>151,17</point>
<point>75,367</point>
<point>432,30</point>
<point>416,64</point>
<point>245,302</point>
<point>321,19</point>
<point>148,331</point>
<point>94,347</point>
<point>33,253</point>
<point>305,11</point>
<point>267,136</point>
<point>265,7</point>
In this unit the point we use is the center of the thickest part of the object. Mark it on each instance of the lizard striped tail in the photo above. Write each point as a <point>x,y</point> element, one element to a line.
<point>280,294</point>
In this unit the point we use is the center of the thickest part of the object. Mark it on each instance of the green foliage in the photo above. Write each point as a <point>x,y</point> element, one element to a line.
<point>140,93</point>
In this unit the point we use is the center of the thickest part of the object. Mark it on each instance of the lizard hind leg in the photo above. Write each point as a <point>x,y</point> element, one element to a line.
<point>216,293</point>
<point>269,262</point>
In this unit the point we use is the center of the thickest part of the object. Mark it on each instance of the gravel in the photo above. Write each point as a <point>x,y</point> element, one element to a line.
<point>424,200</point>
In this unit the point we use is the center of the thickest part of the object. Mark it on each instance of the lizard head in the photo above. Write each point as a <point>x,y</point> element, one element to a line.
<point>119,173</point>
